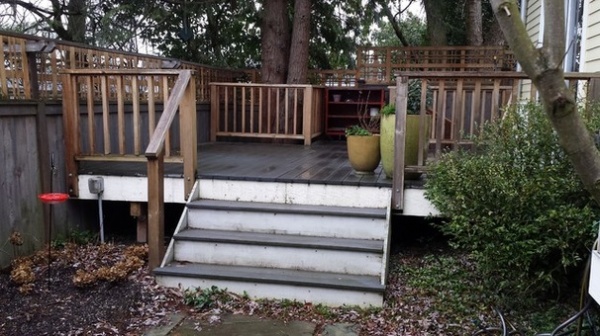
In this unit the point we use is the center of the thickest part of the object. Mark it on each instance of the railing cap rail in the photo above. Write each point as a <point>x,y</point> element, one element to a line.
<point>156,143</point>
<point>116,72</point>
<point>490,74</point>
<point>269,85</point>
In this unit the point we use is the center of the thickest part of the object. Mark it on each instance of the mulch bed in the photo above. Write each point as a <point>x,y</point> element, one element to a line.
<point>58,302</point>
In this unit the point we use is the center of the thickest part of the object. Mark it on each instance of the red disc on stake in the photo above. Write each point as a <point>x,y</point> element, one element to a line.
<point>53,198</point>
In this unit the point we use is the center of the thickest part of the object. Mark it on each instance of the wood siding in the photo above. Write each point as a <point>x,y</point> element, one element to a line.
<point>591,61</point>
<point>533,22</point>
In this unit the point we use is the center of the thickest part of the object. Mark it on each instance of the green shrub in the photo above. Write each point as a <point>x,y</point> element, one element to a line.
<point>516,204</point>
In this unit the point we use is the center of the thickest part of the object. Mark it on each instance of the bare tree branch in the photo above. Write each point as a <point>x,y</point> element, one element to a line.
<point>554,34</point>
<point>393,22</point>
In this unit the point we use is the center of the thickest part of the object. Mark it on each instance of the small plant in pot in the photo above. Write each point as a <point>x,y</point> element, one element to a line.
<point>412,136</point>
<point>362,142</point>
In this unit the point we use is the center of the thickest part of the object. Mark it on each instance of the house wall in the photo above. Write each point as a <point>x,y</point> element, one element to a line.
<point>590,55</point>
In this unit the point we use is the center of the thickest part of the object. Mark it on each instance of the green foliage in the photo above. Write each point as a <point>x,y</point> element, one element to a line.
<point>388,109</point>
<point>413,105</point>
<point>78,237</point>
<point>205,298</point>
<point>413,28</point>
<point>516,204</point>
<point>451,280</point>
<point>357,130</point>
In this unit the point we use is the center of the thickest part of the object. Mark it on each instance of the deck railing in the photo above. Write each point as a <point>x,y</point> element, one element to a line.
<point>121,140</point>
<point>245,110</point>
<point>459,106</point>
<point>24,55</point>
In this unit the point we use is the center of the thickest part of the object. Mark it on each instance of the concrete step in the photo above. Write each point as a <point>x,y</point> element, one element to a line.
<point>331,289</point>
<point>318,254</point>
<point>310,220</point>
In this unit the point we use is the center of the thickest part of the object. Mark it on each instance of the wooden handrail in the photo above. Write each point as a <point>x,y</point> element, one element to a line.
<point>182,97</point>
<point>157,140</point>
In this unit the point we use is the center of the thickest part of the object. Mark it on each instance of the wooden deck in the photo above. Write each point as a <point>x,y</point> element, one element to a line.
<point>324,162</point>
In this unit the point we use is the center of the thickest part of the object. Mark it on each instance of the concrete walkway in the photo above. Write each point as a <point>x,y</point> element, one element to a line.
<point>241,325</point>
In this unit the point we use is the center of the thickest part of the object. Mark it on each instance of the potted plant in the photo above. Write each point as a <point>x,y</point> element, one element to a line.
<point>412,136</point>
<point>362,142</point>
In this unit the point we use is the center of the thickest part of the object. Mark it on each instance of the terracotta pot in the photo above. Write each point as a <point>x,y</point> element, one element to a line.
<point>363,153</point>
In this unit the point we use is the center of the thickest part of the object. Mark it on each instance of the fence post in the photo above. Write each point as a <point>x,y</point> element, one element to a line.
<point>70,121</point>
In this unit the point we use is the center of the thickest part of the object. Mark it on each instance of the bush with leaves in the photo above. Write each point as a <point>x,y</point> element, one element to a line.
<point>515,202</point>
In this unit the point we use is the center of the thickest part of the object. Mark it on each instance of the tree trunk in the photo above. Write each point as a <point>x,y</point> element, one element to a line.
<point>474,22</point>
<point>298,64</point>
<point>275,41</point>
<point>436,30</point>
<point>77,10</point>
<point>544,67</point>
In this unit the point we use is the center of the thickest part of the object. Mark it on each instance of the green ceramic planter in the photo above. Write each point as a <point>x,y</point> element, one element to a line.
<point>411,147</point>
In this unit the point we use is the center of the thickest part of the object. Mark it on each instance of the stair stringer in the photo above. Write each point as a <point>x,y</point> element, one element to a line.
<point>181,225</point>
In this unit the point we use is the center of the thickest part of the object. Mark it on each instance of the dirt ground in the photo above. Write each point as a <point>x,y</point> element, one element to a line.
<point>63,297</point>
<point>107,290</point>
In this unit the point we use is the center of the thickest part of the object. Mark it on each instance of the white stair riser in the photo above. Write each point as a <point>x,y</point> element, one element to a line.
<point>295,193</point>
<point>286,223</point>
<point>325,296</point>
<point>279,257</point>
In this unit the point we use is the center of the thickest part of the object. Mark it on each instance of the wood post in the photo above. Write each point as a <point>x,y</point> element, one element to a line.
<point>139,212</point>
<point>399,143</point>
<point>71,121</point>
<point>214,112</point>
<point>307,115</point>
<point>188,137</point>
<point>156,215</point>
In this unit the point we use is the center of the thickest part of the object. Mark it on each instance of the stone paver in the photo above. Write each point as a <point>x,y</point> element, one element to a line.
<point>240,325</point>
<point>340,329</point>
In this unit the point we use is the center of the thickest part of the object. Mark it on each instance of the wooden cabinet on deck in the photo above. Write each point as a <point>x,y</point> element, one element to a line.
<point>344,105</point>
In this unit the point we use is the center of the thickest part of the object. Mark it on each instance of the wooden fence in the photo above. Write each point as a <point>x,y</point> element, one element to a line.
<point>32,144</point>
<point>245,110</point>
<point>33,63</point>
<point>379,64</point>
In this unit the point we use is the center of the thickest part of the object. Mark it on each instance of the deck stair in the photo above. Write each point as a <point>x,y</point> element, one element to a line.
<point>333,255</point>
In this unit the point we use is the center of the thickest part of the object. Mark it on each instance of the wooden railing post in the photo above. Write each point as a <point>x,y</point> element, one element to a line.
<point>156,216</point>
<point>214,112</point>
<point>308,111</point>
<point>71,121</point>
<point>189,140</point>
<point>183,96</point>
<point>399,143</point>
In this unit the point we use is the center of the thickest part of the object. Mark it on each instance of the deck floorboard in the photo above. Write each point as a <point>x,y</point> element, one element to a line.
<point>324,162</point>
